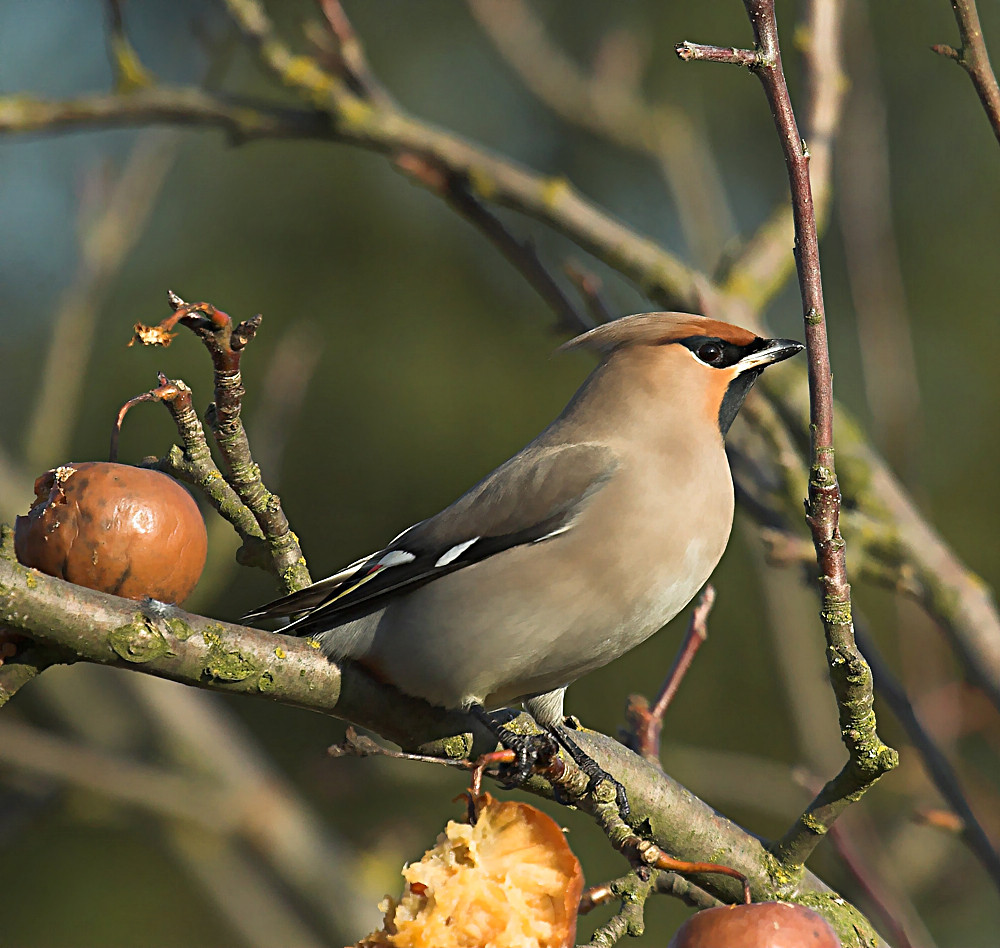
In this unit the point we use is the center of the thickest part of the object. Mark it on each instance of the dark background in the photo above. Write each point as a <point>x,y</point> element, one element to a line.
<point>426,361</point>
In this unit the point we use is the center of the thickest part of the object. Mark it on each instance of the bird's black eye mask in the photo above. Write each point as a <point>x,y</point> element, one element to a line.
<point>718,353</point>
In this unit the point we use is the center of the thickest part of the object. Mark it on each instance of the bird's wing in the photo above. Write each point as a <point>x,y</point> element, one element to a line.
<point>533,497</point>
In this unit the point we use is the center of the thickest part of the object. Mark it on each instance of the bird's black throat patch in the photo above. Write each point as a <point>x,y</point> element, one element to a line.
<point>735,395</point>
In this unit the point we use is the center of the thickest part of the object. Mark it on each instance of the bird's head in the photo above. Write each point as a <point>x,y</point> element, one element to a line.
<point>692,353</point>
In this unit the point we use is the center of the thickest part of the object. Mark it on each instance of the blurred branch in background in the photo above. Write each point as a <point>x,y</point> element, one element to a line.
<point>520,253</point>
<point>608,102</point>
<point>864,206</point>
<point>764,264</point>
<point>105,241</point>
<point>215,791</point>
<point>286,380</point>
<point>859,848</point>
<point>937,765</point>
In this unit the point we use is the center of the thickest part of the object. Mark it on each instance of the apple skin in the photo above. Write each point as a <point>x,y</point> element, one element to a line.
<point>123,530</point>
<point>758,925</point>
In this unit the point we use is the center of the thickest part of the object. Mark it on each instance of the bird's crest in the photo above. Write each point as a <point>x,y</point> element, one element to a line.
<point>656,329</point>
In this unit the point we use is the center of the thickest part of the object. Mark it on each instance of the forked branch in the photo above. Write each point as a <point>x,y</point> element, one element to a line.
<point>973,57</point>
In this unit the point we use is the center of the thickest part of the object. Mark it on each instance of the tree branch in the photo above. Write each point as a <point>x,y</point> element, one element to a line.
<point>974,58</point>
<point>965,605</point>
<point>193,463</point>
<point>23,661</point>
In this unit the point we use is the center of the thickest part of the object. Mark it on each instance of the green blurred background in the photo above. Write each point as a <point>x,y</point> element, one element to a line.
<point>424,360</point>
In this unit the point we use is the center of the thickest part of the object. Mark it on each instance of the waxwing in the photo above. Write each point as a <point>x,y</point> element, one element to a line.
<point>578,548</point>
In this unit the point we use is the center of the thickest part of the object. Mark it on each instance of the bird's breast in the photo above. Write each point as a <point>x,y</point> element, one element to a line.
<point>672,535</point>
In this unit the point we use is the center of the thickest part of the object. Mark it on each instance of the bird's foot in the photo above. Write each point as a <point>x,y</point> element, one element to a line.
<point>531,752</point>
<point>539,751</point>
<point>594,771</point>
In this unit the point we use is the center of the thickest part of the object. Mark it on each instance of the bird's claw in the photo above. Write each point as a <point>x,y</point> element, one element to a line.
<point>594,771</point>
<point>532,751</point>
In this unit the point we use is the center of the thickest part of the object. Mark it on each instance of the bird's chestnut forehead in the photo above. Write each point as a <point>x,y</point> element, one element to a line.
<point>653,329</point>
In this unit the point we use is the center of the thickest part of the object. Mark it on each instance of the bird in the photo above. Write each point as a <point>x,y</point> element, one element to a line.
<point>572,552</point>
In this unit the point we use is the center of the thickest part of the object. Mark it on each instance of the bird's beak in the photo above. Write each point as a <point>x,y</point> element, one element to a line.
<point>774,350</point>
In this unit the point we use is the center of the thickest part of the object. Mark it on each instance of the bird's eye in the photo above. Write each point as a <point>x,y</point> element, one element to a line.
<point>711,353</point>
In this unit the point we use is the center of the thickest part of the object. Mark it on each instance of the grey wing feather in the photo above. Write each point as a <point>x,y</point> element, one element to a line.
<point>307,598</point>
<point>534,496</point>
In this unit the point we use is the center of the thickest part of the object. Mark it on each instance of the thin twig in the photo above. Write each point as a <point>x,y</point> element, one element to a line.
<point>522,254</point>
<point>358,745</point>
<point>457,192</point>
<point>697,52</point>
<point>676,886</point>
<point>644,723</point>
<point>869,757</point>
<point>455,189</point>
<point>128,69</point>
<point>166,390</point>
<point>974,58</point>
<point>696,635</point>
